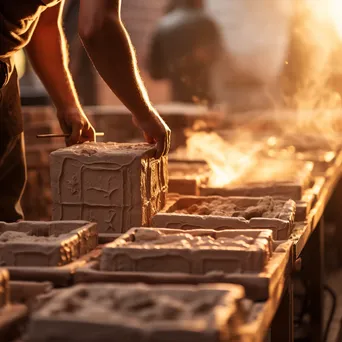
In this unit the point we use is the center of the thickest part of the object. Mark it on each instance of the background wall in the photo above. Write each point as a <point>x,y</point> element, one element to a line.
<point>255,33</point>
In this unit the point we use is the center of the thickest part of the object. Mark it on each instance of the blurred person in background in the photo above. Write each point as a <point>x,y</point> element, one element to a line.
<point>184,49</point>
<point>37,25</point>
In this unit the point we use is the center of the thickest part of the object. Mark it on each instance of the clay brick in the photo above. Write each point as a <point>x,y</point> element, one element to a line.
<point>192,252</point>
<point>140,313</point>
<point>29,243</point>
<point>117,185</point>
<point>235,213</point>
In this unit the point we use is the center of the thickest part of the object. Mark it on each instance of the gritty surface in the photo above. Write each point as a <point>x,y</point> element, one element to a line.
<point>12,236</point>
<point>154,239</point>
<point>110,303</point>
<point>90,148</point>
<point>266,207</point>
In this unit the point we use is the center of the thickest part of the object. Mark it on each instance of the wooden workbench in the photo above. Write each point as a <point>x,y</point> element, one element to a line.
<point>276,314</point>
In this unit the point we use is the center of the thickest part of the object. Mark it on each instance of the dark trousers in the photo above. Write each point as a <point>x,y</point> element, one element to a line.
<point>12,153</point>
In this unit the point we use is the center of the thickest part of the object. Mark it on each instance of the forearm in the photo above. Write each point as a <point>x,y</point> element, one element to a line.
<point>111,51</point>
<point>48,55</point>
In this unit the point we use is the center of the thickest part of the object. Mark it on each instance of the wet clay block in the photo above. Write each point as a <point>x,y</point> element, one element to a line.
<point>191,252</point>
<point>119,186</point>
<point>140,313</point>
<point>45,243</point>
<point>4,287</point>
<point>229,213</point>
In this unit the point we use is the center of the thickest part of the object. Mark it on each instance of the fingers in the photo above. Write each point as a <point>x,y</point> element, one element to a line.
<point>80,133</point>
<point>76,133</point>
<point>163,144</point>
<point>88,134</point>
<point>156,132</point>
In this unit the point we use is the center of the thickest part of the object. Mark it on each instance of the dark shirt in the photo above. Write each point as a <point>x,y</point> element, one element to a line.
<point>18,19</point>
<point>184,48</point>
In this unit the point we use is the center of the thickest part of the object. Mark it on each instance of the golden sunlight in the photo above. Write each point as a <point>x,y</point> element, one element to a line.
<point>228,161</point>
<point>335,12</point>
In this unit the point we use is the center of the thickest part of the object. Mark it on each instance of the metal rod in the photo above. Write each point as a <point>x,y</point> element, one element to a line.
<point>40,136</point>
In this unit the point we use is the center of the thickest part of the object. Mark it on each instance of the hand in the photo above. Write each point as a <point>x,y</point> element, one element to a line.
<point>73,121</point>
<point>155,131</point>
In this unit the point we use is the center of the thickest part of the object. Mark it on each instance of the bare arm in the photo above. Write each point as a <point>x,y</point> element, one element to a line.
<point>108,45</point>
<point>48,55</point>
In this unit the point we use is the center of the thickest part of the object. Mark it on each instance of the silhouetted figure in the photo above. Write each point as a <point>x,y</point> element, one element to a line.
<point>184,48</point>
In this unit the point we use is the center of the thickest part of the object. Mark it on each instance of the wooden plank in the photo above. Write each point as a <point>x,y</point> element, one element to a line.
<point>300,236</point>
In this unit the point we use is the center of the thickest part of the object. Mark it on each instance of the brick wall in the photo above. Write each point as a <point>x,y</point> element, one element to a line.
<point>36,200</point>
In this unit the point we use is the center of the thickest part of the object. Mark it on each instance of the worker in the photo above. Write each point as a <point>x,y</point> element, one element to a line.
<point>36,25</point>
<point>184,48</point>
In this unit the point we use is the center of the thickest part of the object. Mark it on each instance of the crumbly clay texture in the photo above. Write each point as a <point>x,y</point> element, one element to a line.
<point>191,212</point>
<point>116,185</point>
<point>97,312</point>
<point>192,252</point>
<point>11,236</point>
<point>265,207</point>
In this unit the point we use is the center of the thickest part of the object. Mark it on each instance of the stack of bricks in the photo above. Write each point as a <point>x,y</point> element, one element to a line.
<point>36,200</point>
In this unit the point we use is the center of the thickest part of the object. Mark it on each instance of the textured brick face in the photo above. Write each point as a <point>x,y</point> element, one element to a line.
<point>117,185</point>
